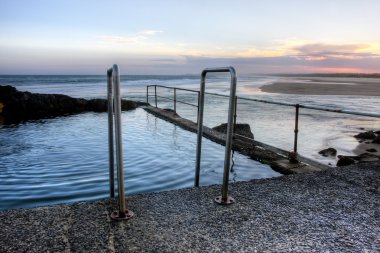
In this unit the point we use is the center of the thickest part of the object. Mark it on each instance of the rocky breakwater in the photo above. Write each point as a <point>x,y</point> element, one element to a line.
<point>16,106</point>
<point>368,150</point>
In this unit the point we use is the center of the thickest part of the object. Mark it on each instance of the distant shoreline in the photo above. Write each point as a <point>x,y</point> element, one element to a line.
<point>341,75</point>
<point>325,86</point>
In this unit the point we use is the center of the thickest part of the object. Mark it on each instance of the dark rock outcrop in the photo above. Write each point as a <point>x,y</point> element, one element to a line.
<point>328,152</point>
<point>18,106</point>
<point>369,135</point>
<point>362,158</point>
<point>344,161</point>
<point>376,140</point>
<point>367,157</point>
<point>240,129</point>
<point>372,150</point>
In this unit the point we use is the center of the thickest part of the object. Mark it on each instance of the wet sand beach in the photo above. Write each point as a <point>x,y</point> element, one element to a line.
<point>325,86</point>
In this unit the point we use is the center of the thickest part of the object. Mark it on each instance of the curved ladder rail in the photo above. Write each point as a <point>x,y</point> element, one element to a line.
<point>224,199</point>
<point>114,105</point>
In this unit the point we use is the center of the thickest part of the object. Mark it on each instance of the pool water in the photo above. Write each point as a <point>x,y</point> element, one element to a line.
<point>65,159</point>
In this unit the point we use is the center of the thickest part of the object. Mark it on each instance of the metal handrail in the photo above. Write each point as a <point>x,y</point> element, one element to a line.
<point>162,86</point>
<point>317,108</point>
<point>293,155</point>
<point>114,107</point>
<point>174,99</point>
<point>181,102</point>
<point>224,199</point>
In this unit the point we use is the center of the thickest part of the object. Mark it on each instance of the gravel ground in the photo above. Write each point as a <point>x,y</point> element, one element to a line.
<point>337,210</point>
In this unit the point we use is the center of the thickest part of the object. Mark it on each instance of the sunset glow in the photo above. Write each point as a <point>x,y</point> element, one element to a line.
<point>171,37</point>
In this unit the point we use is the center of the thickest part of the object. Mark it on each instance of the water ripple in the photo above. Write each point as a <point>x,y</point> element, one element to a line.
<point>66,159</point>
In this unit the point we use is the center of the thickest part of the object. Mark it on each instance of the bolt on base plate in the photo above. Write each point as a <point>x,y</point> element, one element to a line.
<point>115,215</point>
<point>227,201</point>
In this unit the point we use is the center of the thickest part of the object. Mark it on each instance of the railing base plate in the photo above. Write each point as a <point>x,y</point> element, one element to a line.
<point>227,201</point>
<point>115,215</point>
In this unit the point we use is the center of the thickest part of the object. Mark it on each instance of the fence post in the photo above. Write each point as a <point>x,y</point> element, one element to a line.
<point>147,94</point>
<point>155,94</point>
<point>293,157</point>
<point>235,115</point>
<point>175,100</point>
<point>199,93</point>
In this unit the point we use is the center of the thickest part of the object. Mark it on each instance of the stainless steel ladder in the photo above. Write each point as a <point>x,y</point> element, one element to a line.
<point>114,100</point>
<point>224,199</point>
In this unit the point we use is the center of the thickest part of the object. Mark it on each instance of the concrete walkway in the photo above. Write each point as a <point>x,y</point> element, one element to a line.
<point>337,210</point>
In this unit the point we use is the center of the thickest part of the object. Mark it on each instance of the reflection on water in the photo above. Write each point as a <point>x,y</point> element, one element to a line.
<point>66,159</point>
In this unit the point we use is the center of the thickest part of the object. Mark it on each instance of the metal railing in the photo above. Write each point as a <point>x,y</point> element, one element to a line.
<point>174,99</point>
<point>114,107</point>
<point>293,156</point>
<point>224,199</point>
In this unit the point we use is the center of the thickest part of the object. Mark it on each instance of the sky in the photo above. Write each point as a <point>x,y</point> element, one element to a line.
<point>184,37</point>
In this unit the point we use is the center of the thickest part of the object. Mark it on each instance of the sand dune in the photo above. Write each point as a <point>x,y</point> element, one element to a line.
<point>326,86</point>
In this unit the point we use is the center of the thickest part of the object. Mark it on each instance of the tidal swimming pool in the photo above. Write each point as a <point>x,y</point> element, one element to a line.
<point>65,159</point>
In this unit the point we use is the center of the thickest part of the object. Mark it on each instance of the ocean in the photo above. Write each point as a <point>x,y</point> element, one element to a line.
<point>64,159</point>
<point>271,124</point>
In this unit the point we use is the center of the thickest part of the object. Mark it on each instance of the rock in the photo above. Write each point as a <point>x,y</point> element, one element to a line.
<point>97,105</point>
<point>18,106</point>
<point>241,129</point>
<point>127,105</point>
<point>369,135</point>
<point>367,157</point>
<point>376,140</point>
<point>372,150</point>
<point>344,161</point>
<point>328,152</point>
<point>362,158</point>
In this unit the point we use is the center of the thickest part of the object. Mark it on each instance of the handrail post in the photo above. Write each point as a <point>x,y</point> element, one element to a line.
<point>293,155</point>
<point>175,100</point>
<point>122,213</point>
<point>155,94</point>
<point>199,95</point>
<point>110,134</point>
<point>224,199</point>
<point>147,94</point>
<point>235,116</point>
<point>200,131</point>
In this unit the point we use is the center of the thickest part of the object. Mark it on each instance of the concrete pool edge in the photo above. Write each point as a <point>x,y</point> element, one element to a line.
<point>256,150</point>
<point>337,209</point>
